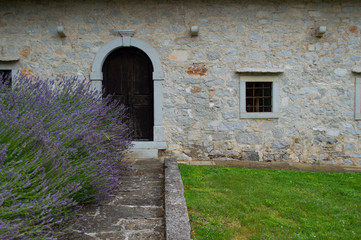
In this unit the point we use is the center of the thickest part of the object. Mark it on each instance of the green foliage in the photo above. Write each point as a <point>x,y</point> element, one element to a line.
<point>233,203</point>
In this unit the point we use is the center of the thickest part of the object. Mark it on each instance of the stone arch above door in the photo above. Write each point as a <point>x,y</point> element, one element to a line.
<point>96,77</point>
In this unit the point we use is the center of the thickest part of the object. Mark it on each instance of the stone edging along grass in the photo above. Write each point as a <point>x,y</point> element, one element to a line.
<point>276,165</point>
<point>176,215</point>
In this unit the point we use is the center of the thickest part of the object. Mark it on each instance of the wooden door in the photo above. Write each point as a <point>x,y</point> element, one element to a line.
<point>127,75</point>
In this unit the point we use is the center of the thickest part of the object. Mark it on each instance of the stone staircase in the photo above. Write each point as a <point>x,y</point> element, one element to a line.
<point>136,212</point>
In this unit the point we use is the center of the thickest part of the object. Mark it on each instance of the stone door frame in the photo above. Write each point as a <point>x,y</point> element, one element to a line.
<point>96,77</point>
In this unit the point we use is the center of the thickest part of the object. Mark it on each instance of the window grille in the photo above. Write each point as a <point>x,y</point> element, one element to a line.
<point>259,96</point>
<point>5,75</point>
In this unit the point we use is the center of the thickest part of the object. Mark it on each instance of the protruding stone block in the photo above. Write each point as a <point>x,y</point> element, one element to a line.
<point>61,31</point>
<point>320,31</point>
<point>127,33</point>
<point>9,59</point>
<point>194,30</point>
<point>143,153</point>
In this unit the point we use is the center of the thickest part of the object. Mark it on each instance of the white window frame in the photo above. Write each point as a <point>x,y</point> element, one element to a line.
<point>358,99</point>
<point>275,97</point>
<point>9,65</point>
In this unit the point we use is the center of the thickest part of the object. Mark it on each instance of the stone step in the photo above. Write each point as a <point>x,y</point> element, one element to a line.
<point>135,212</point>
<point>138,200</point>
<point>143,153</point>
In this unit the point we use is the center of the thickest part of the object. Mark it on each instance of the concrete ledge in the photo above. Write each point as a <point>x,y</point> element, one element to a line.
<point>9,59</point>
<point>276,165</point>
<point>176,214</point>
<point>156,145</point>
<point>143,153</point>
<point>356,70</point>
<point>260,70</point>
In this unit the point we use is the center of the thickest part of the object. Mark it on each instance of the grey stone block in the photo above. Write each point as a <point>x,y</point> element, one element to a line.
<point>348,161</point>
<point>221,71</point>
<point>280,145</point>
<point>255,38</point>
<point>175,29</point>
<point>230,115</point>
<point>221,93</point>
<point>320,139</point>
<point>86,55</point>
<point>256,56</point>
<point>191,80</point>
<point>213,56</point>
<point>249,138</point>
<point>240,28</point>
<point>214,82</point>
<point>68,68</point>
<point>311,57</point>
<point>141,153</point>
<point>224,126</point>
<point>284,53</point>
<point>177,220</point>
<point>340,51</point>
<point>220,136</point>
<point>232,103</point>
<point>340,71</point>
<point>231,58</point>
<point>250,156</point>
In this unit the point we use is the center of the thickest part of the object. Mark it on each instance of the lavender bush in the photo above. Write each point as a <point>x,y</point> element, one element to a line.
<point>60,146</point>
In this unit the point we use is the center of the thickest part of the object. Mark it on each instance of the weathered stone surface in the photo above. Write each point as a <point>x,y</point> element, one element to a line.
<point>145,235</point>
<point>111,235</point>
<point>249,138</point>
<point>260,70</point>
<point>316,75</point>
<point>9,59</point>
<point>136,212</point>
<point>177,221</point>
<point>226,126</point>
<point>250,156</point>
<point>280,145</point>
<point>230,115</point>
<point>213,56</point>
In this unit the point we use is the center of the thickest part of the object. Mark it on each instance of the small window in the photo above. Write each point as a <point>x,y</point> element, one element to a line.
<point>358,99</point>
<point>259,97</point>
<point>5,76</point>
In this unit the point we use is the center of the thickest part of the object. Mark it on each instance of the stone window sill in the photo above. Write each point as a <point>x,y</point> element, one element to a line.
<point>260,70</point>
<point>9,59</point>
<point>255,115</point>
<point>356,70</point>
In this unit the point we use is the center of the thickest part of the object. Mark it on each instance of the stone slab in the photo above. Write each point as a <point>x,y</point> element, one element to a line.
<point>156,145</point>
<point>143,153</point>
<point>9,59</point>
<point>356,70</point>
<point>135,212</point>
<point>177,220</point>
<point>202,163</point>
<point>288,166</point>
<point>260,70</point>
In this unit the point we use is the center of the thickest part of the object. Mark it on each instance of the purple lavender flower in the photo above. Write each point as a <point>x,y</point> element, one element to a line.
<point>60,146</point>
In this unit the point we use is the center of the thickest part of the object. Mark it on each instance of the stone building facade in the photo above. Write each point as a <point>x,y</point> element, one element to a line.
<point>205,54</point>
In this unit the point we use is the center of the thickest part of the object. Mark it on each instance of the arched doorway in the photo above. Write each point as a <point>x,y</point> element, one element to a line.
<point>96,77</point>
<point>127,75</point>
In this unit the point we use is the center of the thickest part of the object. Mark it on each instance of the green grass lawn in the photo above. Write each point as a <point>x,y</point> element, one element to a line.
<point>234,203</point>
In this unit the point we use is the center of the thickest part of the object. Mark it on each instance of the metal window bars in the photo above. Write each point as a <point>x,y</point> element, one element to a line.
<point>259,96</point>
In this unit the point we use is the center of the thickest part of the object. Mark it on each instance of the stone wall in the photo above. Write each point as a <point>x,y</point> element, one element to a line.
<point>201,95</point>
